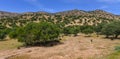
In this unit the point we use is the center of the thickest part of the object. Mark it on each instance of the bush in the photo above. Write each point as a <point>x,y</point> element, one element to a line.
<point>3,32</point>
<point>117,48</point>
<point>14,32</point>
<point>71,30</point>
<point>98,28</point>
<point>87,29</point>
<point>2,35</point>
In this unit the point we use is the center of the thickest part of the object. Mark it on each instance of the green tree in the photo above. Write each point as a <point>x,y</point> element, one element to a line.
<point>3,32</point>
<point>112,28</point>
<point>2,35</point>
<point>98,28</point>
<point>71,30</point>
<point>87,29</point>
<point>42,32</point>
<point>117,30</point>
<point>14,32</point>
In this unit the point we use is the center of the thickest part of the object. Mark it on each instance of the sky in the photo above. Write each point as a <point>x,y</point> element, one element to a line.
<point>20,6</point>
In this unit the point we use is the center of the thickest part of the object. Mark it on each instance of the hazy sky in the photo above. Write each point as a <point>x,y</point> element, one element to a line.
<point>112,6</point>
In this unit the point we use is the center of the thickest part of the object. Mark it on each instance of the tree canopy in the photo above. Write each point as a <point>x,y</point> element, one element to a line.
<point>112,28</point>
<point>34,33</point>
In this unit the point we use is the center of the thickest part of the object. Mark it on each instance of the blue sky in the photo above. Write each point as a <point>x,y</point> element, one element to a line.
<point>112,6</point>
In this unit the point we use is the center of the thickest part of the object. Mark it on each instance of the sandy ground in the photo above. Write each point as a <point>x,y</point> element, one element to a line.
<point>79,47</point>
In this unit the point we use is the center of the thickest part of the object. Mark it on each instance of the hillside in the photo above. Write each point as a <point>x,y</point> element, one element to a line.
<point>4,14</point>
<point>43,35</point>
<point>67,18</point>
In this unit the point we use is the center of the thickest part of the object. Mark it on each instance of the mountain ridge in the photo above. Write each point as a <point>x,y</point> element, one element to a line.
<point>68,18</point>
<point>97,10</point>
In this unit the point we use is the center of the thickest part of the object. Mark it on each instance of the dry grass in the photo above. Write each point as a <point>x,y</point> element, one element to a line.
<point>20,57</point>
<point>9,44</point>
<point>79,47</point>
<point>114,55</point>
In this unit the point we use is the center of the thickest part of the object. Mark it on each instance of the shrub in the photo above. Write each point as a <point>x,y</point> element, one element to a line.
<point>2,35</point>
<point>87,29</point>
<point>71,30</point>
<point>98,28</point>
<point>108,30</point>
<point>117,48</point>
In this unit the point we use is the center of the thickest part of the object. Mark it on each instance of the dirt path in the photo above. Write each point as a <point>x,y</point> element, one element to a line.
<point>73,48</point>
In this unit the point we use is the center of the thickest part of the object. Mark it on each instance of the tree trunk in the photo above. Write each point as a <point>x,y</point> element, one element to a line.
<point>107,36</point>
<point>116,36</point>
<point>75,34</point>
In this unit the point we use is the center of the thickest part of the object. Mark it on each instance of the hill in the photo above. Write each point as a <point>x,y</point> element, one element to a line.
<point>68,18</point>
<point>4,14</point>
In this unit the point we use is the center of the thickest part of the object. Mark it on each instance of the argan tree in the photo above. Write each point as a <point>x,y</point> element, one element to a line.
<point>34,33</point>
<point>112,29</point>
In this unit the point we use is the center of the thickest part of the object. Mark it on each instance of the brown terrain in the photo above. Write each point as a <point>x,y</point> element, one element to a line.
<point>70,17</point>
<point>79,47</point>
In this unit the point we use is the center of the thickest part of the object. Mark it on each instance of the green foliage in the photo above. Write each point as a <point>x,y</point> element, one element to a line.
<point>114,55</point>
<point>117,48</point>
<point>2,27</point>
<point>87,29</point>
<point>112,28</point>
<point>117,28</point>
<point>3,32</point>
<point>14,32</point>
<point>99,27</point>
<point>34,33</point>
<point>71,30</point>
<point>108,30</point>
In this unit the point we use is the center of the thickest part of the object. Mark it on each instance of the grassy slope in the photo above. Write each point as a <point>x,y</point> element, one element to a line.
<point>115,55</point>
<point>9,44</point>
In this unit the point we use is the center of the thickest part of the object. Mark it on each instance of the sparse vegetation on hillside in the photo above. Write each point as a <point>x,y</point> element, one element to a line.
<point>87,23</point>
<point>68,18</point>
<point>39,28</point>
